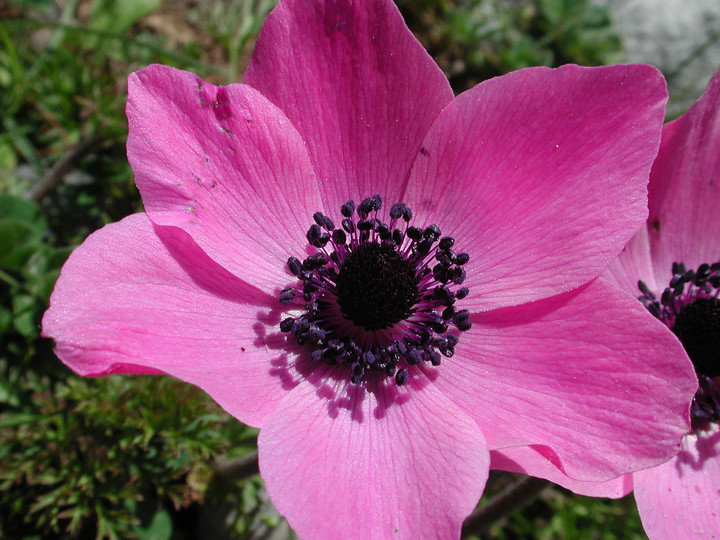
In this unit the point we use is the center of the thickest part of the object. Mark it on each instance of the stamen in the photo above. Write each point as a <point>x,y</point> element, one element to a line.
<point>706,404</point>
<point>684,288</point>
<point>378,297</point>
<point>690,307</point>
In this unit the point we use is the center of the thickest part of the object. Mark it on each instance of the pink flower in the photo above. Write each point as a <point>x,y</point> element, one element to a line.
<point>676,256</point>
<point>381,358</point>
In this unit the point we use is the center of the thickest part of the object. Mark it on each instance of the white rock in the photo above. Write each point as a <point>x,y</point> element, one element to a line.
<point>681,37</point>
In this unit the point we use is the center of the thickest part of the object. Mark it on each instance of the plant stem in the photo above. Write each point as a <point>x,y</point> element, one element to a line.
<point>7,278</point>
<point>58,171</point>
<point>512,498</point>
<point>231,470</point>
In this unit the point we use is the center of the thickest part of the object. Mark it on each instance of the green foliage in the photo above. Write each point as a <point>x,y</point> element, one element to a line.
<point>117,16</point>
<point>29,266</point>
<point>83,455</point>
<point>478,39</point>
<point>559,514</point>
<point>233,24</point>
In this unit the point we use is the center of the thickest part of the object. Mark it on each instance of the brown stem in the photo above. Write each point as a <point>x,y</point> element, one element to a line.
<point>58,171</point>
<point>230,470</point>
<point>512,498</point>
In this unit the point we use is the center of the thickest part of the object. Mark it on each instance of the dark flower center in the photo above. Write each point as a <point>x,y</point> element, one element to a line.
<point>377,296</point>
<point>376,286</point>
<point>697,326</point>
<point>690,307</point>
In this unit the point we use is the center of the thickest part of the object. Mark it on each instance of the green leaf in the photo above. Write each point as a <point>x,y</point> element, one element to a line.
<point>22,227</point>
<point>24,321</point>
<point>11,420</point>
<point>19,240</point>
<point>116,15</point>
<point>16,208</point>
<point>554,10</point>
<point>159,528</point>
<point>8,158</point>
<point>6,318</point>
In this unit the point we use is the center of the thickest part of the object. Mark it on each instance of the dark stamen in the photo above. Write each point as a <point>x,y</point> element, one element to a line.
<point>372,301</point>
<point>690,307</point>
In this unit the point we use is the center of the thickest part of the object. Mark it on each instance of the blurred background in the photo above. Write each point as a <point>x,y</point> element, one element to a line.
<point>150,457</point>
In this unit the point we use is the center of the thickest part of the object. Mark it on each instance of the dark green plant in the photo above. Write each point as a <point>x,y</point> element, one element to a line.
<point>83,456</point>
<point>478,39</point>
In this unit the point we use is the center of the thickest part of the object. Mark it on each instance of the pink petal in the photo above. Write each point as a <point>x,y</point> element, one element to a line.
<point>584,374</point>
<point>358,87</point>
<point>343,462</point>
<point>681,497</point>
<point>535,463</point>
<point>685,188</point>
<point>226,166</point>
<point>541,176</point>
<point>635,263</point>
<point>126,302</point>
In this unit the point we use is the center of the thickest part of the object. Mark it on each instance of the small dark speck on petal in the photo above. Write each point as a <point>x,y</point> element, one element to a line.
<point>656,225</point>
<point>424,151</point>
<point>242,349</point>
<point>427,204</point>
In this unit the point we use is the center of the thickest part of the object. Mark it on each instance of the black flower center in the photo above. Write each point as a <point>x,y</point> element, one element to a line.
<point>376,286</point>
<point>377,296</point>
<point>690,307</point>
<point>697,326</point>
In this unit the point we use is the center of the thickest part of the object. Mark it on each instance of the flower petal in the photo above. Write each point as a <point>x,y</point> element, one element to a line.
<point>541,175</point>
<point>225,165</point>
<point>685,188</point>
<point>681,497</point>
<point>635,263</point>
<point>126,302</point>
<point>535,463</point>
<point>590,375</point>
<point>356,84</point>
<point>343,462</point>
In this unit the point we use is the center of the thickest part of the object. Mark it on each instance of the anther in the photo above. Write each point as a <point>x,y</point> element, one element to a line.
<point>402,377</point>
<point>446,242</point>
<point>294,266</point>
<point>323,221</point>
<point>373,300</point>
<point>414,233</point>
<point>397,210</point>
<point>287,295</point>
<point>462,258</point>
<point>286,324</point>
<point>339,236</point>
<point>347,209</point>
<point>348,225</point>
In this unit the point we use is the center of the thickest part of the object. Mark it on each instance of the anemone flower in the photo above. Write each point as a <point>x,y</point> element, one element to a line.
<point>673,264</point>
<point>389,281</point>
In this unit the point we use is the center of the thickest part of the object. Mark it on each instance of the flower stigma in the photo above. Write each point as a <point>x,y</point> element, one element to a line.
<point>690,307</point>
<point>378,297</point>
